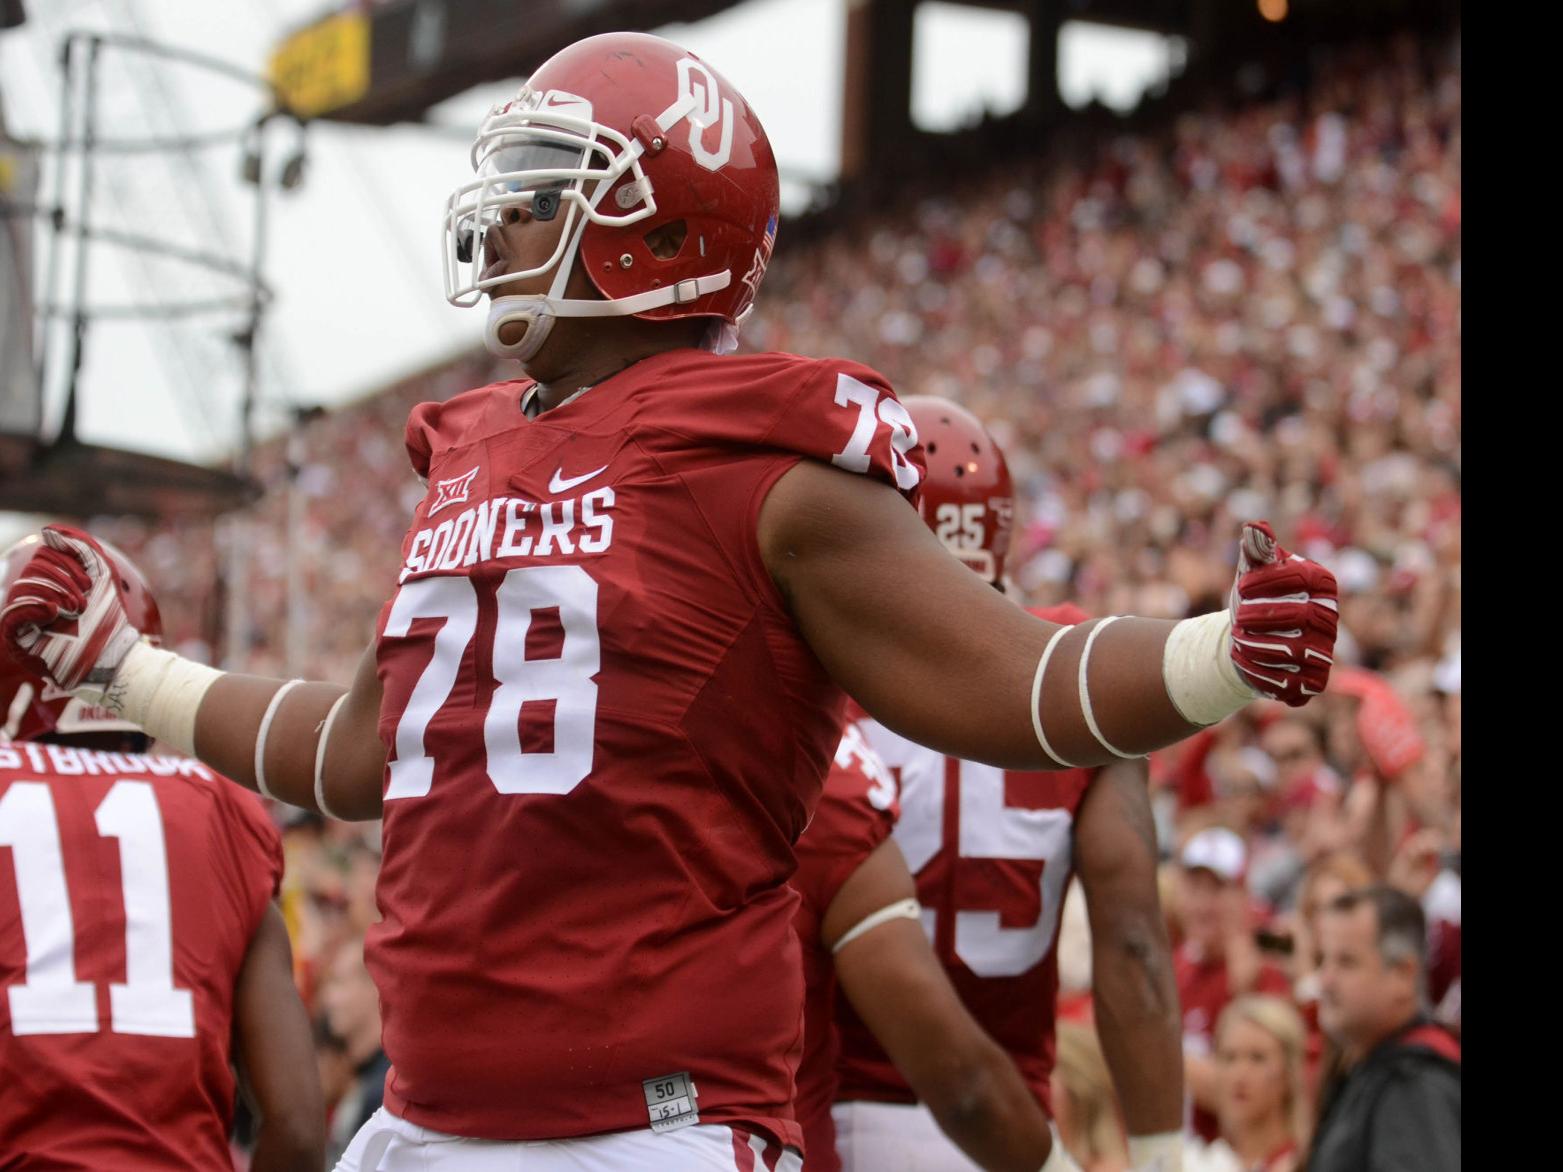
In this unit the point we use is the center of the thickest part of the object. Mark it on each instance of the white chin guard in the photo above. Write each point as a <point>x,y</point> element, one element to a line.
<point>534,312</point>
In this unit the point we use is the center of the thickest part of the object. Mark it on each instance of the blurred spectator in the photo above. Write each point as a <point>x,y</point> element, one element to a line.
<point>1427,868</point>
<point>1085,1110</point>
<point>1392,1098</point>
<point>337,1078</point>
<point>1327,879</point>
<point>1261,1100</point>
<point>1309,801</point>
<point>352,1013</point>
<point>1218,958</point>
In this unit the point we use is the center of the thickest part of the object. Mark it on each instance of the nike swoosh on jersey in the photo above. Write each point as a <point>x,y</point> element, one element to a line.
<point>559,484</point>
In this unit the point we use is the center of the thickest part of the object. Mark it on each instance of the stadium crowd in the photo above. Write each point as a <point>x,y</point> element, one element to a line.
<point>1247,309</point>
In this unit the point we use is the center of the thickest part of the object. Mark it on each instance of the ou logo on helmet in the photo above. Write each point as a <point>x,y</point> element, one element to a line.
<point>697,92</point>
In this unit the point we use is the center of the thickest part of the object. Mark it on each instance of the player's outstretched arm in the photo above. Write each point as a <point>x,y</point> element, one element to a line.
<point>313,745</point>
<point>895,983</point>
<point>1133,986</point>
<point>319,744</point>
<point>935,654</point>
<point>276,1054</point>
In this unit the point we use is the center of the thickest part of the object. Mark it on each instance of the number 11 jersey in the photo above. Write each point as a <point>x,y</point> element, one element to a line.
<point>130,889</point>
<point>606,735</point>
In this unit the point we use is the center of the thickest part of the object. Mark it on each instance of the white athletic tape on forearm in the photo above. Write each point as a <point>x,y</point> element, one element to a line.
<point>160,692</point>
<point>320,757</point>
<point>906,909</point>
<point>1085,692</point>
<point>1036,697</point>
<point>1202,681</point>
<point>1156,1153</point>
<point>265,731</point>
<point>1059,1160</point>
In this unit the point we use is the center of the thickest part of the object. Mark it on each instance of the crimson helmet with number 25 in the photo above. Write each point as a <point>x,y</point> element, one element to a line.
<point>31,706</point>
<point>621,134</point>
<point>968,499</point>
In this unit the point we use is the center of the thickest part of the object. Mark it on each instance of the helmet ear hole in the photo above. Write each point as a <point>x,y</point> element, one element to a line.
<point>667,240</point>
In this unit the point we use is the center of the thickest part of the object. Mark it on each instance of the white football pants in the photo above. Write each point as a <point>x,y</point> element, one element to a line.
<point>896,1137</point>
<point>389,1144</point>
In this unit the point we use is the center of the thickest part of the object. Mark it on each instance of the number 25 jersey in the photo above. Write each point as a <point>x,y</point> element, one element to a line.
<point>605,737</point>
<point>992,852</point>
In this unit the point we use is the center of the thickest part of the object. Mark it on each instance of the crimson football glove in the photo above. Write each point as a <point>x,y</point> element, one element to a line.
<point>65,617</point>
<point>1285,612</point>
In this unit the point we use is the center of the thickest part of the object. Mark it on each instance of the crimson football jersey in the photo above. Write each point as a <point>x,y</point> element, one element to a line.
<point>992,852</point>
<point>606,735</point>
<point>130,888</point>
<point>856,813</point>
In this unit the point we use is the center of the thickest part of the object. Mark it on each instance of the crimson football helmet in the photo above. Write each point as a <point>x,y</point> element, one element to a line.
<point>31,706</point>
<point>968,499</point>
<point>622,134</point>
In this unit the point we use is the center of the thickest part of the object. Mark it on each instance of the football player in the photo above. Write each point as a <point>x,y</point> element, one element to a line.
<point>602,697</point>
<point>140,951</point>
<point>993,852</point>
<point>856,932</point>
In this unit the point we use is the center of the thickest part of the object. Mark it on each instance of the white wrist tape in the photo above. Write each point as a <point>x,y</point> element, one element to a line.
<point>320,756</point>
<point>1196,666</point>
<point>158,691</point>
<point>1058,1160</point>
<point>265,731</point>
<point>1085,692</point>
<point>1156,1153</point>
<point>906,909</point>
<point>1036,697</point>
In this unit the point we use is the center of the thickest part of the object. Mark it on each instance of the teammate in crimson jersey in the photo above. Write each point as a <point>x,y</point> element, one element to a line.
<point>603,697</point>
<point>138,947</point>
<point>858,921</point>
<point>993,852</point>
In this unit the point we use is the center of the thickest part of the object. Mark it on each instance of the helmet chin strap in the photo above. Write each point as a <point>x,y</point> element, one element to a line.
<point>538,311</point>
<point>535,313</point>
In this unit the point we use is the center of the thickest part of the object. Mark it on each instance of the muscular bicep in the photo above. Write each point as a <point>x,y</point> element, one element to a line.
<point>940,657</point>
<point>881,880</point>
<point>909,632</point>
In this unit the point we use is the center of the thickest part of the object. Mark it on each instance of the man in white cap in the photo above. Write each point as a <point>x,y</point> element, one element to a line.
<point>1218,959</point>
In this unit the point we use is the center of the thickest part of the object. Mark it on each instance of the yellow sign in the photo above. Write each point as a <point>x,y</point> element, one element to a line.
<point>325,66</point>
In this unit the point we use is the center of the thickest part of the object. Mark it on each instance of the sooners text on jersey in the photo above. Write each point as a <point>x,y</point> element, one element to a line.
<point>606,735</point>
<point>130,887</point>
